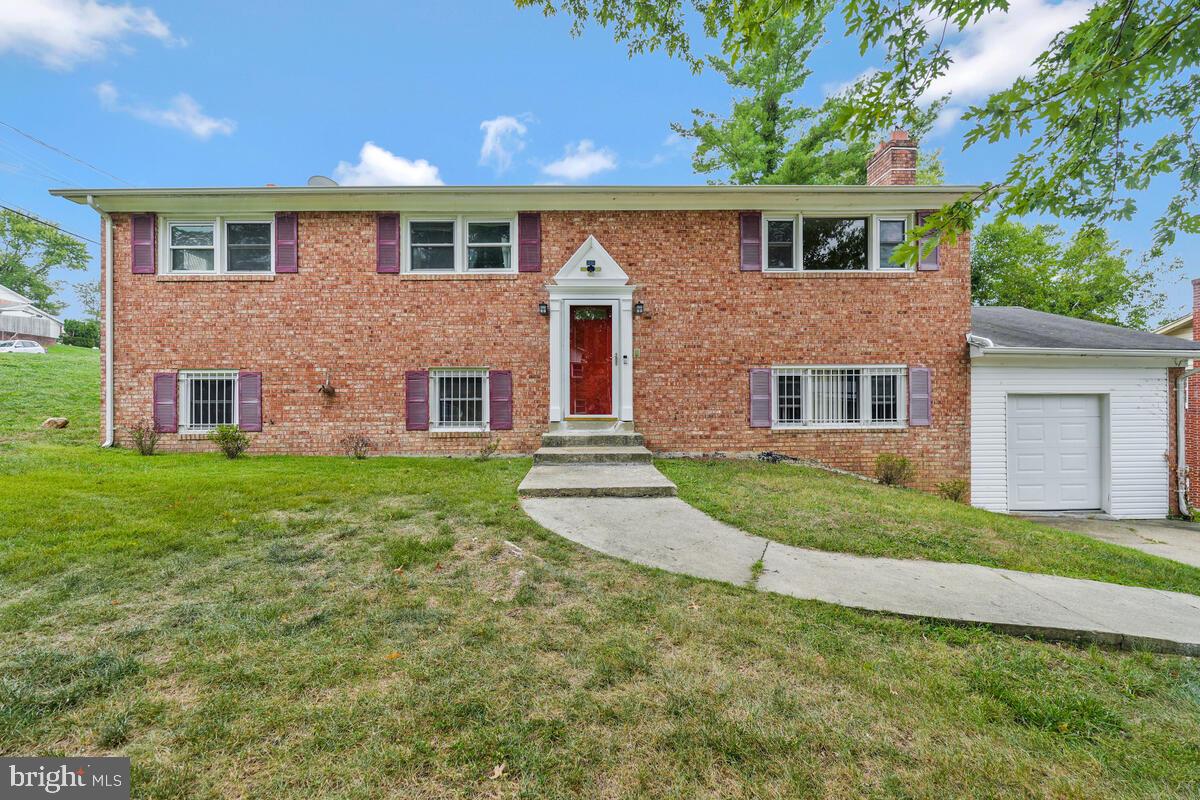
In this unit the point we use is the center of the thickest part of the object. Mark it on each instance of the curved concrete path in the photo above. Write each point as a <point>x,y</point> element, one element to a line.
<point>669,534</point>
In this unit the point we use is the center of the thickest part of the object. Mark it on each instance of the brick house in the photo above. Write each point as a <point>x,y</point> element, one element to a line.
<point>708,319</point>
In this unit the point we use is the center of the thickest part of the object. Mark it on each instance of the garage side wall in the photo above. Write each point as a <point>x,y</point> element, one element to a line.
<point>1137,427</point>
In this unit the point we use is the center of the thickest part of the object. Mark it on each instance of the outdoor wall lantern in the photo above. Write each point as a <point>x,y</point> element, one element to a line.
<point>544,309</point>
<point>639,308</point>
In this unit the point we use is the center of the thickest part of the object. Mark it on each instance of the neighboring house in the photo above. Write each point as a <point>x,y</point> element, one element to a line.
<point>1180,328</point>
<point>712,319</point>
<point>21,319</point>
<point>1072,415</point>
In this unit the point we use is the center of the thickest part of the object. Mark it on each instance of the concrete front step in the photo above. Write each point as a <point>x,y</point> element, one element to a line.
<point>592,455</point>
<point>595,480</point>
<point>589,439</point>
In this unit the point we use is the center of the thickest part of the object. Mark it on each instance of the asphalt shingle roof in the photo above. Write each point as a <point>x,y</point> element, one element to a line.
<point>1012,326</point>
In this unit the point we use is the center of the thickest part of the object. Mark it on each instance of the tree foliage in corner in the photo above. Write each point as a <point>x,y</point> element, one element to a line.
<point>29,250</point>
<point>1110,105</point>
<point>769,138</point>
<point>1088,276</point>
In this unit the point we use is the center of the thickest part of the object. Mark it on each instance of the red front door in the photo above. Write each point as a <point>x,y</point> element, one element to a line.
<point>591,360</point>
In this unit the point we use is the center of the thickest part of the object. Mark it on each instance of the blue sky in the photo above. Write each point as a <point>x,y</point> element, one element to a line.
<point>459,91</point>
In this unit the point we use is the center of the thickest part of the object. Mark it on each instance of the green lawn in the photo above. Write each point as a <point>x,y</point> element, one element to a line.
<point>319,627</point>
<point>812,508</point>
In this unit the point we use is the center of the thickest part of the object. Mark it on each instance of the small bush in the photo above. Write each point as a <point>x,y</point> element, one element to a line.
<point>489,449</point>
<point>955,490</point>
<point>357,445</point>
<point>230,439</point>
<point>144,437</point>
<point>893,470</point>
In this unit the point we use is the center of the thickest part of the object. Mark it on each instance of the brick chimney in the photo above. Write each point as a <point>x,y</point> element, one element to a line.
<point>894,162</point>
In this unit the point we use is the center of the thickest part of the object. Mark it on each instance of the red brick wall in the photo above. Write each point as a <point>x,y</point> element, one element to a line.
<point>1192,417</point>
<point>707,323</point>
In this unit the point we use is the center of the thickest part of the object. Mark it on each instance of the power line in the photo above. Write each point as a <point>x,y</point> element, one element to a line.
<point>47,224</point>
<point>62,152</point>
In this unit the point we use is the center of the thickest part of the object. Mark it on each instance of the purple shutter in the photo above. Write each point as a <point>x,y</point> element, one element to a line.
<point>529,242</point>
<point>387,243</point>
<point>416,400</point>
<point>500,399</point>
<point>141,243</point>
<point>928,261</point>
<point>250,401</point>
<point>760,398</point>
<point>920,392</point>
<point>164,402</point>
<point>751,241</point>
<point>286,234</point>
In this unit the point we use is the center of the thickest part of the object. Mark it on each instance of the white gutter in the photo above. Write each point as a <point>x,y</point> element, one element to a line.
<point>106,267</point>
<point>1182,479</point>
<point>982,344</point>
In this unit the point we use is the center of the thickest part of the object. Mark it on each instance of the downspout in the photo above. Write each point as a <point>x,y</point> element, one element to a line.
<point>107,268</point>
<point>1181,467</point>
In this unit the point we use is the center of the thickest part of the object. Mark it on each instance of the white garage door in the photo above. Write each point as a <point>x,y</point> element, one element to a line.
<point>1054,452</point>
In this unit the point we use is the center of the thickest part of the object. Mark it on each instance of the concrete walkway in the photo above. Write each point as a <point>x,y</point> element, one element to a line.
<point>667,533</point>
<point>1167,538</point>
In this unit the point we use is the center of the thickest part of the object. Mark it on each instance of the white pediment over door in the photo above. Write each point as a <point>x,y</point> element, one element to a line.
<point>591,266</point>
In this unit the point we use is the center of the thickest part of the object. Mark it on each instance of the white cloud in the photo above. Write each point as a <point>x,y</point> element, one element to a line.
<point>503,137</point>
<point>581,161</point>
<point>379,167</point>
<point>182,113</point>
<point>1002,45</point>
<point>61,33</point>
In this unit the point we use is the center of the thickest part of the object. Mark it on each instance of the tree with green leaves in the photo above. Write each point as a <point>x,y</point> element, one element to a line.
<point>1088,276</point>
<point>1110,105</point>
<point>88,294</point>
<point>768,137</point>
<point>29,250</point>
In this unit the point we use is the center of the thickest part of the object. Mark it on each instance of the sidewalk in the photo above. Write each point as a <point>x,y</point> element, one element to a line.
<point>669,534</point>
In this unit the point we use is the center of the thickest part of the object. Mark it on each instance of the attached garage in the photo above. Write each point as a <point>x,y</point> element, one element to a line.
<point>1071,416</point>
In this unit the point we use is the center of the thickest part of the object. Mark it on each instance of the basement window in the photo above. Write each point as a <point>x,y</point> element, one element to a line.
<point>838,397</point>
<point>458,400</point>
<point>207,398</point>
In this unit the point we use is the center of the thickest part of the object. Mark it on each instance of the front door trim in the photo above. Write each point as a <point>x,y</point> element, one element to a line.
<point>574,286</point>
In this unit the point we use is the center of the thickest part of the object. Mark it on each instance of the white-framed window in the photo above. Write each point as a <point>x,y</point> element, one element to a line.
<point>779,234</point>
<point>214,245</point>
<point>431,245</point>
<point>248,245</point>
<point>838,397</point>
<point>889,234</point>
<point>833,242</point>
<point>461,243</point>
<point>207,398</point>
<point>490,244</point>
<point>458,400</point>
<point>192,246</point>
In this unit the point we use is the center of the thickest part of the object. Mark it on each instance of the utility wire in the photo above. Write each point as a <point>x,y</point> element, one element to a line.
<point>47,224</point>
<point>62,152</point>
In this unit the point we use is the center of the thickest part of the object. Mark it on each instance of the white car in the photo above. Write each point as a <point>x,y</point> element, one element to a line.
<point>22,346</point>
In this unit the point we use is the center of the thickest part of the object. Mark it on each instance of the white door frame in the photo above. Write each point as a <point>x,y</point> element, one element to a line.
<point>562,299</point>
<point>591,277</point>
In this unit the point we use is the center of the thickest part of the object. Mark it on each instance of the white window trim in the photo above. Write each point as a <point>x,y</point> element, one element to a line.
<point>877,263</point>
<point>796,241</point>
<point>460,243</point>
<point>183,409</point>
<point>864,399</point>
<point>434,421</point>
<point>873,220</point>
<point>220,265</point>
